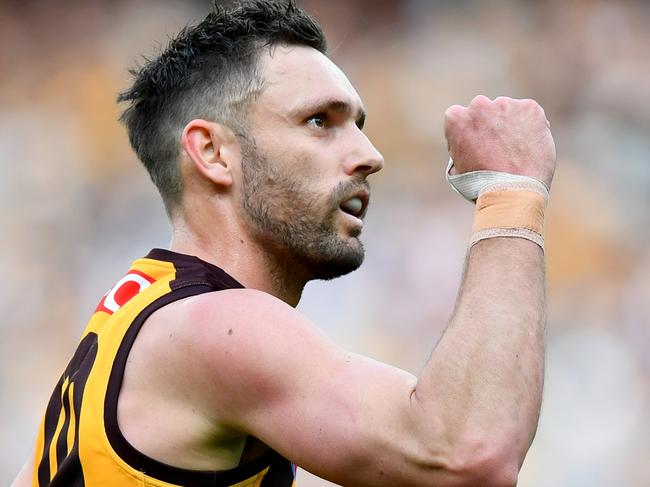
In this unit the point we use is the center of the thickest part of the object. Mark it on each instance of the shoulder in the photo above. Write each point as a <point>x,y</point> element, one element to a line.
<point>245,303</point>
<point>251,327</point>
<point>237,313</point>
<point>232,321</point>
<point>237,347</point>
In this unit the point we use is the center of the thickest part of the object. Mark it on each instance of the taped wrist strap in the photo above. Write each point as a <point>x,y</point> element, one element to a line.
<point>507,205</point>
<point>511,210</point>
<point>470,184</point>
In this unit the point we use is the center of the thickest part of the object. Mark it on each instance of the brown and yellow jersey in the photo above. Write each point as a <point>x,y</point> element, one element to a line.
<point>79,441</point>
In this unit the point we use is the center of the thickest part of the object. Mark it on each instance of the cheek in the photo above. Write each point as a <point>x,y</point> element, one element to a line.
<point>308,162</point>
<point>308,172</point>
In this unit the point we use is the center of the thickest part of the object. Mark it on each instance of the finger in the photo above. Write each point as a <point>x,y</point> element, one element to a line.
<point>454,111</point>
<point>453,115</point>
<point>480,100</point>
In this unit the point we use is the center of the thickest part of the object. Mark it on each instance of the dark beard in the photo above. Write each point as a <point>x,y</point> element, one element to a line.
<point>289,221</point>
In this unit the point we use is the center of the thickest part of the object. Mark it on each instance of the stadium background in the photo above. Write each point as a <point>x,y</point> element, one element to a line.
<point>77,207</point>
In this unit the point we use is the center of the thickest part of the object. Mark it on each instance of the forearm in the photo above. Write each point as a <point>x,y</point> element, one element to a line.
<point>484,379</point>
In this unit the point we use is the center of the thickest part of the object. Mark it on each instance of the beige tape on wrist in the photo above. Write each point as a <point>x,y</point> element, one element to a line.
<point>511,209</point>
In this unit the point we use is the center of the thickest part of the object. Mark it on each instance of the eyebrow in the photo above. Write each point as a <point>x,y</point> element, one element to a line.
<point>334,105</point>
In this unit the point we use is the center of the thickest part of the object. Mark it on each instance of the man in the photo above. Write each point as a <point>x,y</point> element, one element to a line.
<point>196,369</point>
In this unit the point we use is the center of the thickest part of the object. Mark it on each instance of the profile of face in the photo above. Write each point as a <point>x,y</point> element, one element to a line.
<point>305,162</point>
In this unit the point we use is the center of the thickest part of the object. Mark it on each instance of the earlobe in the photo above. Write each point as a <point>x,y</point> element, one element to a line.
<point>206,145</point>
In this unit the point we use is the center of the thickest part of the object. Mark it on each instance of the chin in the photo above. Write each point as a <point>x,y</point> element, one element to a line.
<point>328,267</point>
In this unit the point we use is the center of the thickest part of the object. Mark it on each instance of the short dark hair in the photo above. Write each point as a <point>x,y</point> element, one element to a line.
<point>209,71</point>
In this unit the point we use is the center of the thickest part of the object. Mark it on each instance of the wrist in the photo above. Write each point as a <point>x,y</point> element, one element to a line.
<point>471,184</point>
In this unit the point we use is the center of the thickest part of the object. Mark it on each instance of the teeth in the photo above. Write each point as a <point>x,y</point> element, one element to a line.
<point>353,206</point>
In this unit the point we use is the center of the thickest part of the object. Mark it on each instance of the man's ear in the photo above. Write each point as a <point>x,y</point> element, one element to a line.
<point>213,149</point>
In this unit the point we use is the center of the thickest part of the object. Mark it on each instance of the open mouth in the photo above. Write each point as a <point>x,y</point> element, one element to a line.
<point>356,205</point>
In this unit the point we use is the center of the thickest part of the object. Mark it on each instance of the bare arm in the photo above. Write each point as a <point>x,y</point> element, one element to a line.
<point>484,379</point>
<point>470,416</point>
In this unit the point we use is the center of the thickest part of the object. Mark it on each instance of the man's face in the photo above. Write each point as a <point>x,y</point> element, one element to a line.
<point>305,164</point>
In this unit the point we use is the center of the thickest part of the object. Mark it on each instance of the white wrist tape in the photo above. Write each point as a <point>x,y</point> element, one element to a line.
<point>471,184</point>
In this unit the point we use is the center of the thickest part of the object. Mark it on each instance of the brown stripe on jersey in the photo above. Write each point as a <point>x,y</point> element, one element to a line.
<point>191,270</point>
<point>68,471</point>
<point>49,428</point>
<point>280,472</point>
<point>62,441</point>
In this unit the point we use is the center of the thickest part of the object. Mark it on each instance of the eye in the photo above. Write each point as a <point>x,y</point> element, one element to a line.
<point>318,121</point>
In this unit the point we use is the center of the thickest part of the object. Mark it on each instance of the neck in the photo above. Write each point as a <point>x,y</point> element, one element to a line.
<point>231,248</point>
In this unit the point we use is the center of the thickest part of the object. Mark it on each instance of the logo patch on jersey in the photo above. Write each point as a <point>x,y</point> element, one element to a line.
<point>126,289</point>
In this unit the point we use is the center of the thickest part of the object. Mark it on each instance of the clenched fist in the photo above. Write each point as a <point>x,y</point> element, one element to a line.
<point>504,135</point>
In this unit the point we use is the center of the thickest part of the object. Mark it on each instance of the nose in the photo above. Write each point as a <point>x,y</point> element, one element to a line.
<point>364,159</point>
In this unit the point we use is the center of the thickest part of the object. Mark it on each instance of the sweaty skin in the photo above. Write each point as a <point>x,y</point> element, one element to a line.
<point>207,371</point>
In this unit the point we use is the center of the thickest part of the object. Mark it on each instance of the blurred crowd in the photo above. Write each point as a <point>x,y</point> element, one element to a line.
<point>77,207</point>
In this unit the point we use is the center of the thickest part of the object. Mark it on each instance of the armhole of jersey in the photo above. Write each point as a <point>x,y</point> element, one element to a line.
<point>138,460</point>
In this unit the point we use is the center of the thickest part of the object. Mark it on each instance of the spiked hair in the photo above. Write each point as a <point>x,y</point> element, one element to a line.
<point>210,71</point>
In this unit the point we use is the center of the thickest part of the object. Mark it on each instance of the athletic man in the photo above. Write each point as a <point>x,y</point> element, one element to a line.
<point>196,369</point>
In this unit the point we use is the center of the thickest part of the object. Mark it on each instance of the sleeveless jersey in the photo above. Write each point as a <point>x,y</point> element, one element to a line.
<point>79,441</point>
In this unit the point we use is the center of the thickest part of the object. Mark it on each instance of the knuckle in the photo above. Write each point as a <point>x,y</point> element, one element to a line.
<point>454,111</point>
<point>530,103</point>
<point>480,100</point>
